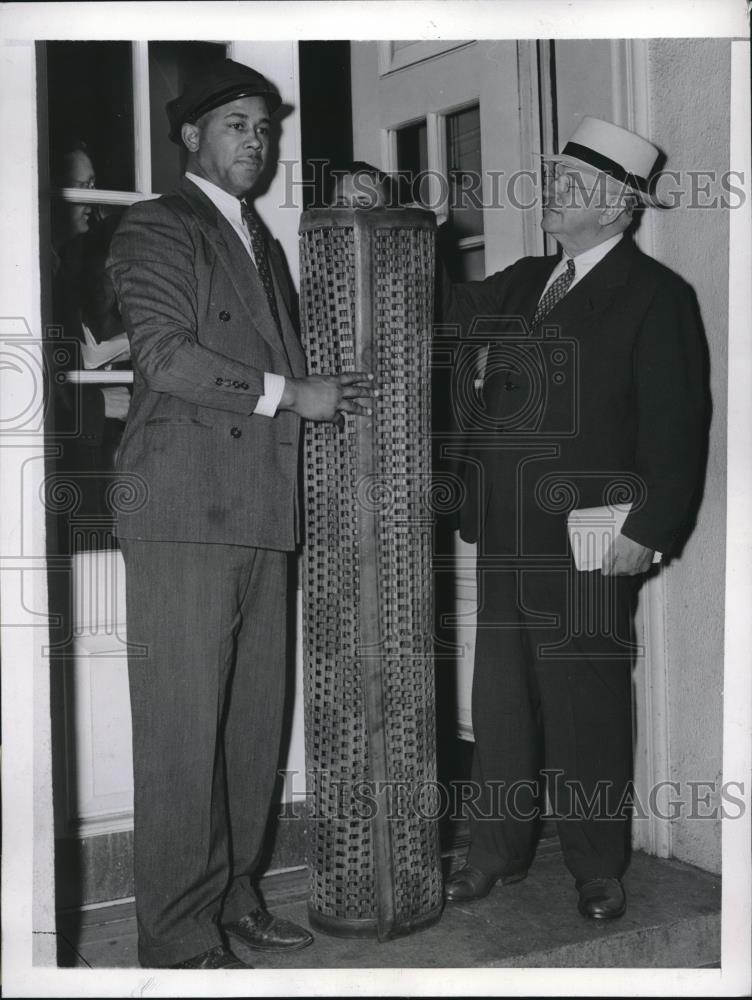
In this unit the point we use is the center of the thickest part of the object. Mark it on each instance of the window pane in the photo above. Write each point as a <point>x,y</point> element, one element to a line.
<point>465,172</point>
<point>171,64</point>
<point>90,102</point>
<point>412,162</point>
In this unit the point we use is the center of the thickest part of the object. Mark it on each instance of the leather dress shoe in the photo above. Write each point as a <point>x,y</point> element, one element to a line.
<point>469,883</point>
<point>218,957</point>
<point>601,898</point>
<point>260,931</point>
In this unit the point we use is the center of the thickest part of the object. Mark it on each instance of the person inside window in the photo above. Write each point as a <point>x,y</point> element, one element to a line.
<point>89,418</point>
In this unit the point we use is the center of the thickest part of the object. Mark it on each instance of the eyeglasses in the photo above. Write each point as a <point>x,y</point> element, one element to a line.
<point>556,173</point>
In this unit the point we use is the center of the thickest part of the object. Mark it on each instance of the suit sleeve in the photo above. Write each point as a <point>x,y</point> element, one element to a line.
<point>151,264</point>
<point>459,304</point>
<point>672,416</point>
<point>462,302</point>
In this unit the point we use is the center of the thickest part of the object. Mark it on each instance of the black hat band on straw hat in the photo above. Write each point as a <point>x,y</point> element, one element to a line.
<point>605,164</point>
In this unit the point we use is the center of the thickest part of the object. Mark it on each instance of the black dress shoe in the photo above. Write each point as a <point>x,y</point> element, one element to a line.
<point>260,931</point>
<point>469,883</point>
<point>218,957</point>
<point>601,898</point>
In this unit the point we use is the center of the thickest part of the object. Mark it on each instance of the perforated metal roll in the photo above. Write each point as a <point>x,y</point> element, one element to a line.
<point>367,281</point>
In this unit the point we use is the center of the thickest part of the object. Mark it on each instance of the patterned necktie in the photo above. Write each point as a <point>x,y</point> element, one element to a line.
<point>555,293</point>
<point>258,245</point>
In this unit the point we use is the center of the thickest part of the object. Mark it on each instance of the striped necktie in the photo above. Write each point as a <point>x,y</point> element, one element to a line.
<point>554,294</point>
<point>260,256</point>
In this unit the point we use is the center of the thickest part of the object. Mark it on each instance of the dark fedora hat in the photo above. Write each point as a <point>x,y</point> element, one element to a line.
<point>218,84</point>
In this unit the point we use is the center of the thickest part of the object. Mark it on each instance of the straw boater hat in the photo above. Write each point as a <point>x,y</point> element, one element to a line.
<point>602,147</point>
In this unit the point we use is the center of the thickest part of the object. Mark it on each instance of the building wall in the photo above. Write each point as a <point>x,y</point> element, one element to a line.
<point>584,82</point>
<point>28,911</point>
<point>690,101</point>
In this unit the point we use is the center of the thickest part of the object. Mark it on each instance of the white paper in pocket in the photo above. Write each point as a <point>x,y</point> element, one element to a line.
<point>592,531</point>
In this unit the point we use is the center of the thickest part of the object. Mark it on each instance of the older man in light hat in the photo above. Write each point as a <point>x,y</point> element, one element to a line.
<point>593,394</point>
<point>211,445</point>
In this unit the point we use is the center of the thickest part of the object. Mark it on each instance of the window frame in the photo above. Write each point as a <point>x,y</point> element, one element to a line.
<point>142,165</point>
<point>437,159</point>
<point>392,59</point>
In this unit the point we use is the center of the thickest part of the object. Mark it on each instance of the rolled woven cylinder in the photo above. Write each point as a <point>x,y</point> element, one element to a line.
<point>367,280</point>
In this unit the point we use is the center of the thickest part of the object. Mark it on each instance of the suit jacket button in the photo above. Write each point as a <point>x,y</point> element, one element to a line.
<point>218,381</point>
<point>236,432</point>
<point>243,385</point>
<point>224,316</point>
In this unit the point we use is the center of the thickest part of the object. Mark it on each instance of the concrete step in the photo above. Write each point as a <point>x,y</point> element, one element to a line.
<point>672,921</point>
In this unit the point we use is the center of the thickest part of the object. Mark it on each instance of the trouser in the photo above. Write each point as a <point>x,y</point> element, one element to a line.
<point>207,662</point>
<point>552,710</point>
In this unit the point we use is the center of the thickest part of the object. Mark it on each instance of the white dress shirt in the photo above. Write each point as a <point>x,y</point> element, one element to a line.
<point>583,262</point>
<point>229,206</point>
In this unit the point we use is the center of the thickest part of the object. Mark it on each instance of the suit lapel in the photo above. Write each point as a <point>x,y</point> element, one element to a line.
<point>293,347</point>
<point>596,291</point>
<point>531,288</point>
<point>236,262</point>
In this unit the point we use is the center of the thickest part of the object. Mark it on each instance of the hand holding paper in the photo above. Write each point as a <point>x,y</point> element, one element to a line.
<point>597,543</point>
<point>626,557</point>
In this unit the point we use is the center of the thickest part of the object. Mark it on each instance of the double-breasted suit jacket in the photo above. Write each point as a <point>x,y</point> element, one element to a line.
<point>207,516</point>
<point>203,467</point>
<point>604,403</point>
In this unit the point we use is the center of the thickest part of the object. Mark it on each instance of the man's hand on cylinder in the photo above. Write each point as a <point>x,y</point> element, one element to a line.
<point>329,397</point>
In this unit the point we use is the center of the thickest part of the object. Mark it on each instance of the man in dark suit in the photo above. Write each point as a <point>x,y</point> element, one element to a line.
<point>592,395</point>
<point>210,454</point>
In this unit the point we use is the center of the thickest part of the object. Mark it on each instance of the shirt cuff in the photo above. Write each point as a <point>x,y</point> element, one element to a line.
<point>274,386</point>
